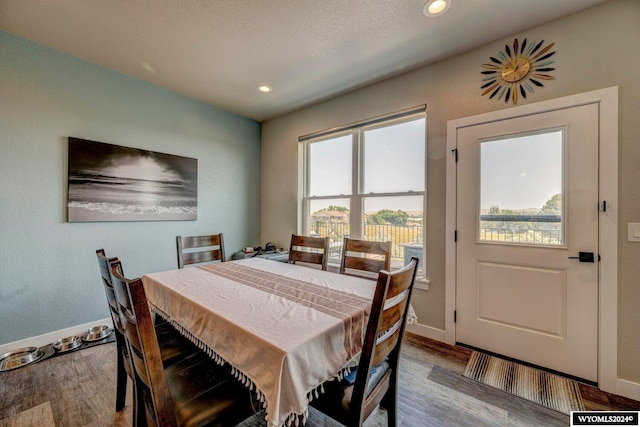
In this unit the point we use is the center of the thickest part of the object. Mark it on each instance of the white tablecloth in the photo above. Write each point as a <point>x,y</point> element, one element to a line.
<point>285,329</point>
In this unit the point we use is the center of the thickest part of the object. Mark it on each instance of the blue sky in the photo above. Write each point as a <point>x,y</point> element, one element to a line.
<point>522,172</point>
<point>394,159</point>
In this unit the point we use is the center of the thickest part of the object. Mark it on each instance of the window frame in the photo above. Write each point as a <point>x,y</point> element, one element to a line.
<point>358,196</point>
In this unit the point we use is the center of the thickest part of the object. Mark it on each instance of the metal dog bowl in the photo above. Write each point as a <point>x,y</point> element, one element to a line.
<point>19,358</point>
<point>97,333</point>
<point>67,344</point>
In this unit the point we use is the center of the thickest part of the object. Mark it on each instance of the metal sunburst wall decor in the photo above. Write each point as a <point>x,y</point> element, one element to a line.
<point>517,70</point>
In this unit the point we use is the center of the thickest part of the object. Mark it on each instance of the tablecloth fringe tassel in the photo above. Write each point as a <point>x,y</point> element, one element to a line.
<point>297,419</point>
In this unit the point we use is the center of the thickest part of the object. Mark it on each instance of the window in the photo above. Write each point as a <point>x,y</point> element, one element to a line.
<point>517,175</point>
<point>367,181</point>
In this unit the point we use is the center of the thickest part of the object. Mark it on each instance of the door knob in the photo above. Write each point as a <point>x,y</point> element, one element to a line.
<point>584,257</point>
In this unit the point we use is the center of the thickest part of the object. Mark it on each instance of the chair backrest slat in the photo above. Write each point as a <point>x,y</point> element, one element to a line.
<point>383,349</point>
<point>308,257</point>
<point>189,258</point>
<point>391,317</point>
<point>367,246</point>
<point>398,282</point>
<point>189,242</point>
<point>364,264</point>
<point>200,249</point>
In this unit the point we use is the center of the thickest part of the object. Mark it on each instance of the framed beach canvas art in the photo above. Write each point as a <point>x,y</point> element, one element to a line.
<point>114,183</point>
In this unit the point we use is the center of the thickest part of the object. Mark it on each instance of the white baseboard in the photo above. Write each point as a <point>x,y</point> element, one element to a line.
<point>628,389</point>
<point>48,338</point>
<point>427,332</point>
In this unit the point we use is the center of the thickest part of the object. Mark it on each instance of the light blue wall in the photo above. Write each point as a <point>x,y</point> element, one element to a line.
<point>48,272</point>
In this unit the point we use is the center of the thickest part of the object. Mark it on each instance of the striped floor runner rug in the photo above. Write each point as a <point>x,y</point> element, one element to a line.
<point>553,391</point>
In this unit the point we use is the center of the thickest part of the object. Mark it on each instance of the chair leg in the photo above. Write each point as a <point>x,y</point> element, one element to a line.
<point>121,381</point>
<point>392,414</point>
<point>390,403</point>
<point>139,416</point>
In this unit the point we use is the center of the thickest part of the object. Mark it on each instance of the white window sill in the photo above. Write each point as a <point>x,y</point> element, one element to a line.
<point>422,283</point>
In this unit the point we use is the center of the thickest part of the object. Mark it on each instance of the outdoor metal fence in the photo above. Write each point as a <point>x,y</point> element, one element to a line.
<point>408,239</point>
<point>531,229</point>
<point>399,235</point>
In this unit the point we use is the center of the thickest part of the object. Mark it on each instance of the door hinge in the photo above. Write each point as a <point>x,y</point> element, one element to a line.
<point>455,236</point>
<point>455,154</point>
<point>455,316</point>
<point>603,206</point>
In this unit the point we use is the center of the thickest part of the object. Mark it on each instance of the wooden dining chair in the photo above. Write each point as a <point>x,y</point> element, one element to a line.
<point>194,391</point>
<point>200,249</point>
<point>351,401</point>
<point>365,256</point>
<point>310,250</point>
<point>173,346</point>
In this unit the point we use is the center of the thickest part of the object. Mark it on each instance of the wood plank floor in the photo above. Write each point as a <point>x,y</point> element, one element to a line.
<point>78,389</point>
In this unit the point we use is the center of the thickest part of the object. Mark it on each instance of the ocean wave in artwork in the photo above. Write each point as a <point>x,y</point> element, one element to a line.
<point>117,208</point>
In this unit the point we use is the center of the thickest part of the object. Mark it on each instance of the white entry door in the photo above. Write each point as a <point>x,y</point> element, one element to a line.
<point>527,239</point>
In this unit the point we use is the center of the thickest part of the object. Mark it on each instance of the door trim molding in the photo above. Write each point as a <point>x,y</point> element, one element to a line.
<point>607,100</point>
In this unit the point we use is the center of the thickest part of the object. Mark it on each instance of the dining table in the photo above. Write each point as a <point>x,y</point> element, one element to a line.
<point>283,328</point>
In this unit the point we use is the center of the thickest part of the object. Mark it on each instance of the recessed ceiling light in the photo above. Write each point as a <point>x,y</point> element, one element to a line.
<point>264,88</point>
<point>436,7</point>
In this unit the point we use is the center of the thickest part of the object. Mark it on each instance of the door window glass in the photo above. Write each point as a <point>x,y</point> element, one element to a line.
<point>521,190</point>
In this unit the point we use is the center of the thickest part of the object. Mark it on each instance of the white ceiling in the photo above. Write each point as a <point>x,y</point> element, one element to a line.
<point>218,51</point>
